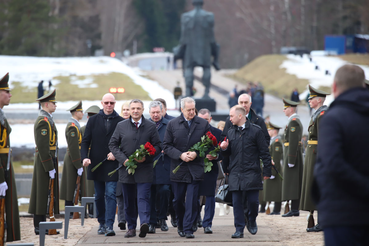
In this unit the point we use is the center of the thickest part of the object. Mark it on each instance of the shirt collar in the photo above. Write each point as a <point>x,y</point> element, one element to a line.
<point>139,122</point>
<point>292,116</point>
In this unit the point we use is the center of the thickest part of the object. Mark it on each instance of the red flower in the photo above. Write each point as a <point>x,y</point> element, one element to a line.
<point>148,146</point>
<point>215,143</point>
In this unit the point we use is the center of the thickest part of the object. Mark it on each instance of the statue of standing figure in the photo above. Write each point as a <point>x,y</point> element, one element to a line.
<point>197,46</point>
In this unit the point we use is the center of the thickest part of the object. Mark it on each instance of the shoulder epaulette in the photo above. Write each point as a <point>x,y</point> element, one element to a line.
<point>294,119</point>
<point>277,140</point>
<point>321,113</point>
<point>73,124</point>
<point>45,118</point>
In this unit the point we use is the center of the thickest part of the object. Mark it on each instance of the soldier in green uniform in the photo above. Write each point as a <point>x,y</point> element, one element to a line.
<point>316,101</point>
<point>7,181</point>
<point>273,186</point>
<point>46,161</point>
<point>88,185</point>
<point>72,159</point>
<point>292,159</point>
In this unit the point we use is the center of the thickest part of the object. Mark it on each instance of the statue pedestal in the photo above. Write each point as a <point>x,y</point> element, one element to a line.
<point>209,104</point>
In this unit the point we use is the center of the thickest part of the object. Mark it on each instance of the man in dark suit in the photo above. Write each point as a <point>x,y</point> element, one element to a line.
<point>182,133</point>
<point>164,110</point>
<point>208,185</point>
<point>99,130</point>
<point>128,136</point>
<point>160,189</point>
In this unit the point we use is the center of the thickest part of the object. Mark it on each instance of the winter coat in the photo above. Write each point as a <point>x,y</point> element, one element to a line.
<point>342,171</point>
<point>88,188</point>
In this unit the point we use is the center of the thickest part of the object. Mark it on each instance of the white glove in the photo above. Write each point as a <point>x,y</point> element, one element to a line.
<point>3,188</point>
<point>52,174</point>
<point>272,177</point>
<point>80,171</point>
<point>291,165</point>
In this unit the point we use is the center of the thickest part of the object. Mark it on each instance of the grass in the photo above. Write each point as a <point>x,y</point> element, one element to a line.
<point>266,69</point>
<point>67,91</point>
<point>361,59</point>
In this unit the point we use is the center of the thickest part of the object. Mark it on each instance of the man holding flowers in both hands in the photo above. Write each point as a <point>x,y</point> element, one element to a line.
<point>128,136</point>
<point>182,133</point>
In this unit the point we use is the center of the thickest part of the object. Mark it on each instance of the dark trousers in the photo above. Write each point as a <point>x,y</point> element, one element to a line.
<point>346,235</point>
<point>238,210</point>
<point>209,211</point>
<point>159,200</point>
<point>141,194</point>
<point>277,207</point>
<point>106,203</point>
<point>171,210</point>
<point>295,204</point>
<point>185,204</point>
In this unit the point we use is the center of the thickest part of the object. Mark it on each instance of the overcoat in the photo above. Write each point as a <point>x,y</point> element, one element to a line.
<point>46,159</point>
<point>273,187</point>
<point>292,154</point>
<point>88,185</point>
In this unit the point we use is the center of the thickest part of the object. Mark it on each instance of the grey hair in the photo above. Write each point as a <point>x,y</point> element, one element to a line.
<point>155,104</point>
<point>136,101</point>
<point>186,100</point>
<point>204,111</point>
<point>244,94</point>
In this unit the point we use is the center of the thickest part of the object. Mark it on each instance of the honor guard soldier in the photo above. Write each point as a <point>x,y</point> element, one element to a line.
<point>316,101</point>
<point>273,186</point>
<point>46,161</point>
<point>292,159</point>
<point>8,190</point>
<point>72,168</point>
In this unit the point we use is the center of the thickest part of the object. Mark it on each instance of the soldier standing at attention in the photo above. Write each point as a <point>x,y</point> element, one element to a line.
<point>316,100</point>
<point>72,159</point>
<point>46,161</point>
<point>7,181</point>
<point>273,186</point>
<point>292,159</point>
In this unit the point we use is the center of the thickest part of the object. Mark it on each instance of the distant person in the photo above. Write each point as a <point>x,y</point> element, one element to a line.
<point>40,91</point>
<point>258,102</point>
<point>164,113</point>
<point>168,63</point>
<point>341,187</point>
<point>235,91</point>
<point>307,102</point>
<point>232,100</point>
<point>50,84</point>
<point>295,96</point>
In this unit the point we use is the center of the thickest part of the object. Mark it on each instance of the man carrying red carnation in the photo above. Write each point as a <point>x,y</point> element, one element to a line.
<point>128,136</point>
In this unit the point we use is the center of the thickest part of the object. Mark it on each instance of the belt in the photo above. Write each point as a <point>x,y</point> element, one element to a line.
<point>315,142</point>
<point>52,147</point>
<point>288,144</point>
<point>4,151</point>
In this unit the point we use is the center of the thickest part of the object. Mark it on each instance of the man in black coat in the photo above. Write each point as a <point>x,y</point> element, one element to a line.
<point>341,187</point>
<point>99,130</point>
<point>160,189</point>
<point>245,144</point>
<point>164,110</point>
<point>182,133</point>
<point>208,185</point>
<point>128,136</point>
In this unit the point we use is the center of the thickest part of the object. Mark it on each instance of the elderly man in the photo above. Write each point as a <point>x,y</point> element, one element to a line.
<point>245,145</point>
<point>182,133</point>
<point>127,138</point>
<point>342,171</point>
<point>94,150</point>
<point>164,110</point>
<point>160,189</point>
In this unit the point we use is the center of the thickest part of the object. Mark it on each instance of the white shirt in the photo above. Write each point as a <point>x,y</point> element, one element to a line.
<point>139,122</point>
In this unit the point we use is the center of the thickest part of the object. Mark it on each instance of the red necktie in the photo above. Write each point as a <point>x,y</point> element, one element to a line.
<point>136,124</point>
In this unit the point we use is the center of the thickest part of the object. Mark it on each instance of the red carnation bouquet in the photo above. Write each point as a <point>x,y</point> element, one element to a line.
<point>206,142</point>
<point>209,164</point>
<point>140,153</point>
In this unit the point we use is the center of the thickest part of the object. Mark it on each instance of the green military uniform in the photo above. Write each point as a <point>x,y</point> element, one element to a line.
<point>46,160</point>
<point>292,154</point>
<point>11,203</point>
<point>72,159</point>
<point>273,186</point>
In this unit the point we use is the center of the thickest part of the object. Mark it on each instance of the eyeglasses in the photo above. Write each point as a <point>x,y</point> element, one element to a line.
<point>111,103</point>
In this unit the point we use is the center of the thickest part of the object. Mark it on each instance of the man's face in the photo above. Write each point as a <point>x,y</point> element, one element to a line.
<point>155,114</point>
<point>205,117</point>
<point>270,132</point>
<point>125,112</point>
<point>51,107</point>
<point>313,102</point>
<point>164,111</point>
<point>108,103</point>
<point>244,101</point>
<point>234,117</point>
<point>78,115</point>
<point>189,110</point>
<point>288,111</point>
<point>136,110</point>
<point>5,97</point>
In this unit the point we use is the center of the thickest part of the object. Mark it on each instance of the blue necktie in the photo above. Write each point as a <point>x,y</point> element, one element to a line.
<point>189,123</point>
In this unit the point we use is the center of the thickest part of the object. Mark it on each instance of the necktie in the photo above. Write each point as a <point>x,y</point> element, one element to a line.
<point>136,124</point>
<point>189,123</point>
<point>240,128</point>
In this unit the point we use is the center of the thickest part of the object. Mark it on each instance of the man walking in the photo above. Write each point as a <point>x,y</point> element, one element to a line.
<point>94,150</point>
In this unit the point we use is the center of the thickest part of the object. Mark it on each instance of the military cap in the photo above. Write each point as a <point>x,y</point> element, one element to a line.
<point>271,126</point>
<point>77,107</point>
<point>4,83</point>
<point>92,110</point>
<point>49,97</point>
<point>316,93</point>
<point>289,103</point>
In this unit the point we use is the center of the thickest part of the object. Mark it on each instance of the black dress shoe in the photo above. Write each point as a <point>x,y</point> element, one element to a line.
<point>190,235</point>
<point>130,233</point>
<point>315,228</point>
<point>181,232</point>
<point>174,222</point>
<point>199,222</point>
<point>237,234</point>
<point>122,225</point>
<point>208,230</point>
<point>292,213</point>
<point>252,227</point>
<point>152,229</point>
<point>144,229</point>
<point>194,227</point>
<point>274,213</point>
<point>163,225</point>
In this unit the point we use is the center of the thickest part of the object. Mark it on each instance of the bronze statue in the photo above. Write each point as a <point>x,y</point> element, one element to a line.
<point>197,46</point>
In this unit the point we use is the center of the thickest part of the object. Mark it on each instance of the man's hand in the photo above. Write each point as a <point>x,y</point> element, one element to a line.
<point>185,157</point>
<point>52,174</point>
<point>210,157</point>
<point>192,155</point>
<point>224,145</point>
<point>3,188</point>
<point>273,163</point>
<point>86,162</point>
<point>265,178</point>
<point>111,157</point>
<point>142,160</point>
<point>124,164</point>
<point>80,171</point>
